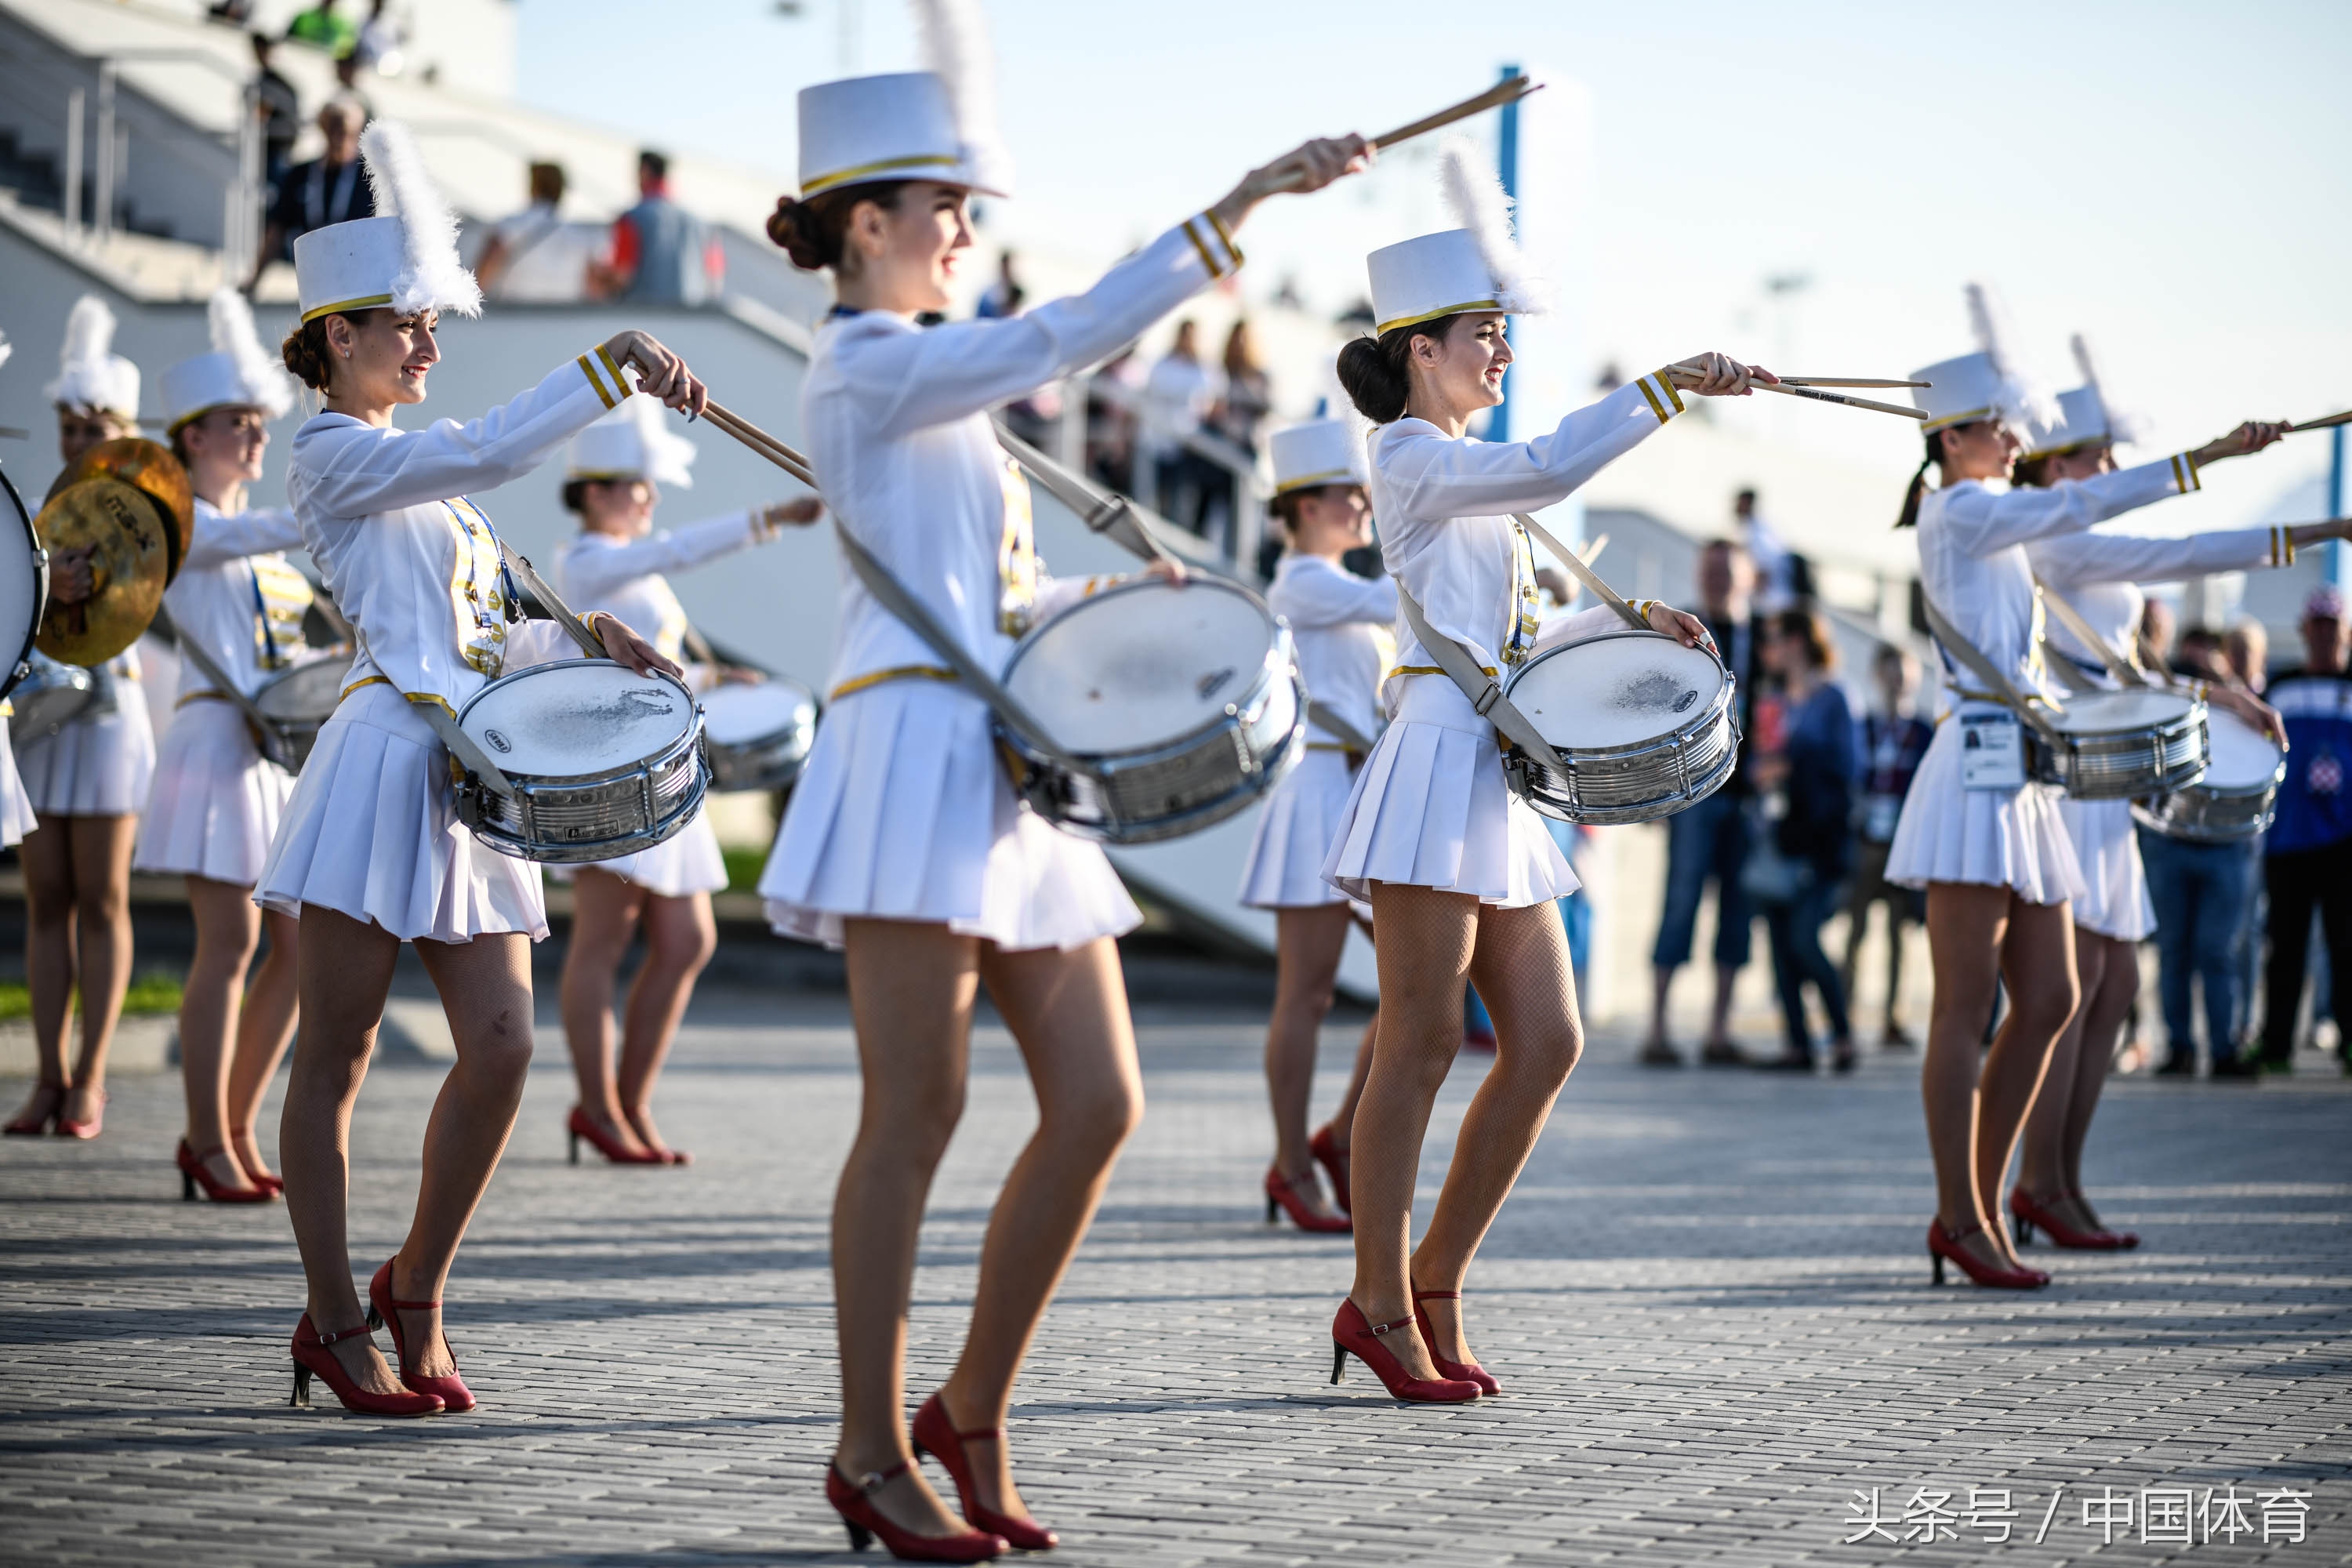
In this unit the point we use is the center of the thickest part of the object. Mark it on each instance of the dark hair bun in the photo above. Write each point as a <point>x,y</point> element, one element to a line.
<point>1374,377</point>
<point>305,353</point>
<point>801,234</point>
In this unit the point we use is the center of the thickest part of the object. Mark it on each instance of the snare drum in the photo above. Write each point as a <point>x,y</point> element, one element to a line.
<point>296,702</point>
<point>757,735</point>
<point>23,591</point>
<point>2113,746</point>
<point>604,762</point>
<point>47,697</point>
<point>1644,725</point>
<point>2235,798</point>
<point>1177,708</point>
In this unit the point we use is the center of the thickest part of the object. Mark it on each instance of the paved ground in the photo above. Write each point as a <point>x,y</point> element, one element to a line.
<point>1708,1298</point>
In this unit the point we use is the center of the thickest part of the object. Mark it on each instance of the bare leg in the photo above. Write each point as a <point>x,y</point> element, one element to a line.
<point>911,990</point>
<point>1308,945</point>
<point>605,909</point>
<point>47,855</point>
<point>1427,937</point>
<point>1662,985</point>
<point>485,987</point>
<point>1521,967</point>
<point>1067,1012</point>
<point>2037,969</point>
<point>264,1027</point>
<point>344,973</point>
<point>101,854</point>
<point>229,928</point>
<point>680,937</point>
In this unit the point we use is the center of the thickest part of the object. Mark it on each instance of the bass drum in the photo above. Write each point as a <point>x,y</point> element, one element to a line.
<point>24,588</point>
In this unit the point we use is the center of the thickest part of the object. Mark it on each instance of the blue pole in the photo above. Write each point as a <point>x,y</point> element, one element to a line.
<point>2337,572</point>
<point>1507,161</point>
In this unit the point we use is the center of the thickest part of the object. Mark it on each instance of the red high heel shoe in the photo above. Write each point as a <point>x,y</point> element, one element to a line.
<point>2026,1213</point>
<point>194,1175</point>
<point>36,1123</point>
<point>935,1434</point>
<point>2125,1239</point>
<point>1943,1244</point>
<point>275,1185</point>
<point>1460,1371</point>
<point>1282,1196</point>
<point>85,1131</point>
<point>583,1125</point>
<point>1334,1160</point>
<point>1352,1336</point>
<point>383,1311</point>
<point>854,1502</point>
<point>312,1358</point>
<point>670,1157</point>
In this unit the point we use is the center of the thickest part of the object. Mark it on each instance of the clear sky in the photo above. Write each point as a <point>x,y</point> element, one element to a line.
<point>2170,178</point>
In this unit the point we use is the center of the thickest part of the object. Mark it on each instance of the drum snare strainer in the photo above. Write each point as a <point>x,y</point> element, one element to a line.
<point>1644,725</point>
<point>605,763</point>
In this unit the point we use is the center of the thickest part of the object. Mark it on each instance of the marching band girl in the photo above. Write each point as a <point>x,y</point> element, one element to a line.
<point>1990,848</point>
<point>903,842</point>
<point>215,803</point>
<point>16,817</point>
<point>2100,574</point>
<point>615,562</point>
<point>1460,875</point>
<point>1340,626</point>
<point>370,853</point>
<point>87,783</point>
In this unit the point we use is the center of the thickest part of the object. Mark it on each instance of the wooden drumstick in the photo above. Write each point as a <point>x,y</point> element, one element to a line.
<point>2330,421</point>
<point>760,441</point>
<point>1846,381</point>
<point>1786,390</point>
<point>1510,90</point>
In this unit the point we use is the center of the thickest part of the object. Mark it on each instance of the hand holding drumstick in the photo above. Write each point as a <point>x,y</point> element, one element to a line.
<point>659,370</point>
<point>1309,167</point>
<point>2247,438</point>
<point>1719,376</point>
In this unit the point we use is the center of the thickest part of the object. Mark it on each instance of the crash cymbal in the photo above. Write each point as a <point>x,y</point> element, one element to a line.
<point>123,529</point>
<point>151,466</point>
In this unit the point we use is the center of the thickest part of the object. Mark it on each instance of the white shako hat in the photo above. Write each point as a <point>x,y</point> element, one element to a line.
<point>236,373</point>
<point>632,443</point>
<point>2084,418</point>
<point>1477,266</point>
<point>90,374</point>
<point>1319,452</point>
<point>1990,383</point>
<point>404,258</point>
<point>936,124</point>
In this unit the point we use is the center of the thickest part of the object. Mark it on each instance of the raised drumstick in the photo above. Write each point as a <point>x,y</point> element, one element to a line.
<point>2331,420</point>
<point>1846,381</point>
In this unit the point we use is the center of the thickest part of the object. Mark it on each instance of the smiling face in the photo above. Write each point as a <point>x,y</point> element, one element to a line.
<point>1461,372</point>
<point>379,358</point>
<point>224,449</point>
<point>904,258</point>
<point>1984,449</point>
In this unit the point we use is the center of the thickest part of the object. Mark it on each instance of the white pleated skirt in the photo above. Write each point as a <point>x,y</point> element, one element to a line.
<point>94,767</point>
<point>2115,901</point>
<point>904,813</point>
<point>1294,833</point>
<point>679,867</point>
<point>1430,809</point>
<point>215,803</point>
<point>17,818</point>
<point>371,831</point>
<point>2012,839</point>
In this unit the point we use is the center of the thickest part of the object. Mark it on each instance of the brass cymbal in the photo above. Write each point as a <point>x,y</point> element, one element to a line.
<point>122,529</point>
<point>149,466</point>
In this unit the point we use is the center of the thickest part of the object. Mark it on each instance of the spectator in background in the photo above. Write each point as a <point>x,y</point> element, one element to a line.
<point>1811,779</point>
<point>323,26</point>
<point>2307,854</point>
<point>330,188</point>
<point>2247,647</point>
<point>1248,397</point>
<point>1112,428</point>
<point>1776,568</point>
<point>2156,624</point>
<point>1177,398</point>
<point>1709,841</point>
<point>382,40</point>
<point>279,108</point>
<point>347,87</point>
<point>1894,739</point>
<point>2199,656</point>
<point>534,256</point>
<point>1003,296</point>
<point>662,253</point>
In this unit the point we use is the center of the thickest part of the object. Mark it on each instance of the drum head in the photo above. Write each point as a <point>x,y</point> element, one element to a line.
<point>2093,711</point>
<point>1617,689</point>
<point>20,587</point>
<point>307,691</point>
<point>737,714</point>
<point>1142,665</point>
<point>2243,757</point>
<point>577,718</point>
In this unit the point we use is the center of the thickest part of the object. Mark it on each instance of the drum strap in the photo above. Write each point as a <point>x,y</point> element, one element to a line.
<point>1998,686</point>
<point>893,596</point>
<point>199,655</point>
<point>444,724</point>
<point>1485,693</point>
<point>2071,619</point>
<point>549,599</point>
<point>1350,738</point>
<point>1112,516</point>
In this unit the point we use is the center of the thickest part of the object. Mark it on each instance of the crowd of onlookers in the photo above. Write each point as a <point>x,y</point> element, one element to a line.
<point>1802,832</point>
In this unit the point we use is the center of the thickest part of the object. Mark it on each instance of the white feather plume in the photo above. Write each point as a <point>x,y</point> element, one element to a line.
<point>234,334</point>
<point>2024,402</point>
<point>953,45</point>
<point>2122,425</point>
<point>434,278</point>
<point>90,374</point>
<point>1476,197</point>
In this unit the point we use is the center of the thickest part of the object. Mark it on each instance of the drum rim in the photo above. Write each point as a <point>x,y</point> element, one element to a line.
<point>524,778</point>
<point>278,677</point>
<point>1281,654</point>
<point>21,664</point>
<point>2194,715</point>
<point>1725,697</point>
<point>805,714</point>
